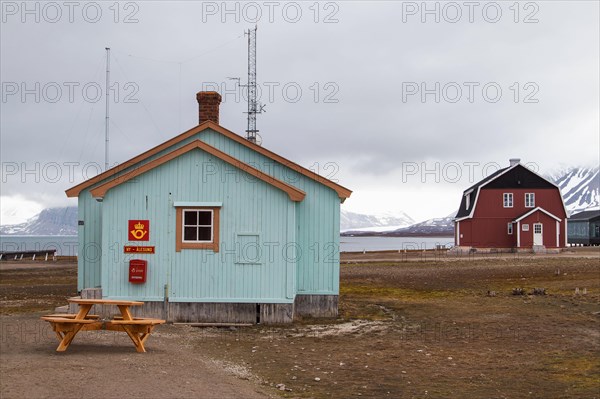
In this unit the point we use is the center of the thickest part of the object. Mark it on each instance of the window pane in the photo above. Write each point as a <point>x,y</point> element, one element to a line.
<point>204,233</point>
<point>190,234</point>
<point>205,218</point>
<point>190,218</point>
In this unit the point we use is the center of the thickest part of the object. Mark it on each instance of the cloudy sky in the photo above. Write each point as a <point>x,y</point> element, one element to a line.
<point>405,103</point>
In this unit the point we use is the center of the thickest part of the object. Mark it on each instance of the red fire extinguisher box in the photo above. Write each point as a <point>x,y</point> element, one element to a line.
<point>137,271</point>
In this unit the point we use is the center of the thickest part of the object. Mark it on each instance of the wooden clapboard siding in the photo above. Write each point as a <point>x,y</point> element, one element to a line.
<point>90,242</point>
<point>249,206</point>
<point>317,219</point>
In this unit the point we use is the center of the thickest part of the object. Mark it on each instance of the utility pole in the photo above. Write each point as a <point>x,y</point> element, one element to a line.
<point>106,119</point>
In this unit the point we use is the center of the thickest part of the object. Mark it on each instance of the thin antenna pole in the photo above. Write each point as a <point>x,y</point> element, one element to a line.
<point>254,107</point>
<point>106,121</point>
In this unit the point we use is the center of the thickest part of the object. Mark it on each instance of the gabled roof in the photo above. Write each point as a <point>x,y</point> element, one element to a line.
<point>522,177</point>
<point>341,191</point>
<point>294,193</point>
<point>472,192</point>
<point>585,215</point>
<point>534,210</point>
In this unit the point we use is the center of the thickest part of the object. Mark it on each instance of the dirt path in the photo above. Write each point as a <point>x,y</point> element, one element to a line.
<point>104,364</point>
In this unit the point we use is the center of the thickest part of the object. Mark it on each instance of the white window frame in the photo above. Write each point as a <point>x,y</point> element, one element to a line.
<point>468,201</point>
<point>183,226</point>
<point>529,200</point>
<point>509,228</point>
<point>507,200</point>
<point>525,227</point>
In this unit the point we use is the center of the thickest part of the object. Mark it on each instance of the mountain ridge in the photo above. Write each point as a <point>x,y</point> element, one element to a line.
<point>580,188</point>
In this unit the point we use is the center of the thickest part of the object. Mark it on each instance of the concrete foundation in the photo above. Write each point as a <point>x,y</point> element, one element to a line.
<point>202,312</point>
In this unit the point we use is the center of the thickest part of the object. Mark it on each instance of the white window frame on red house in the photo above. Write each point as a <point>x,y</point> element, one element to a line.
<point>507,200</point>
<point>509,228</point>
<point>529,200</point>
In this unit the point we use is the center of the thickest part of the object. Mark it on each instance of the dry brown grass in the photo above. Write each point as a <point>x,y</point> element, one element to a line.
<point>414,328</point>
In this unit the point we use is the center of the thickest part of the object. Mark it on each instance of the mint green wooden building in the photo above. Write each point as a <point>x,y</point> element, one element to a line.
<point>233,231</point>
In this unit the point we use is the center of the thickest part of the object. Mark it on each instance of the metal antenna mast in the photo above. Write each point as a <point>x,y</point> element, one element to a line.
<point>254,107</point>
<point>106,120</point>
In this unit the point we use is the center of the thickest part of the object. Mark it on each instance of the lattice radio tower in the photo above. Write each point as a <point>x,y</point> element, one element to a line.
<point>254,107</point>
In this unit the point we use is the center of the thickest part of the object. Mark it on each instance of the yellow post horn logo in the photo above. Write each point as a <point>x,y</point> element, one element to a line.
<point>138,232</point>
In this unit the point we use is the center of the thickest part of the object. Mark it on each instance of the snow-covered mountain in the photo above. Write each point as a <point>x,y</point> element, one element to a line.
<point>50,221</point>
<point>378,222</point>
<point>431,227</point>
<point>580,187</point>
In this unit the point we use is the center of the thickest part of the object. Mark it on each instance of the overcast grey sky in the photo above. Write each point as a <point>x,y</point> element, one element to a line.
<point>405,103</point>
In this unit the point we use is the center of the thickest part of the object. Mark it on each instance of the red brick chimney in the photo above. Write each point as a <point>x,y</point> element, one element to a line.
<point>208,106</point>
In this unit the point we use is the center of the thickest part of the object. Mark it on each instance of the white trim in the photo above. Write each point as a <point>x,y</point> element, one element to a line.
<point>557,233</point>
<point>525,200</point>
<point>518,234</point>
<point>507,170</point>
<point>458,233</point>
<point>510,196</point>
<point>509,228</point>
<point>539,208</point>
<point>474,206</point>
<point>566,237</point>
<point>541,233</point>
<point>180,204</point>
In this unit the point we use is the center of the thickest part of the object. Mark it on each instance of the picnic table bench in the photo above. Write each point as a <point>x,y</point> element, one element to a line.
<point>66,326</point>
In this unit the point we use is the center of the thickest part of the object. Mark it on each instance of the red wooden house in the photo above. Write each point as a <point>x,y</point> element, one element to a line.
<point>512,208</point>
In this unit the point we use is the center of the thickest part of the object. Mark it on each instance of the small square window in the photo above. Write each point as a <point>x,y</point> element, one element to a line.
<point>525,227</point>
<point>197,225</point>
<point>197,228</point>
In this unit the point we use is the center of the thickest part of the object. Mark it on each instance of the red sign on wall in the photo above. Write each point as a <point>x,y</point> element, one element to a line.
<point>129,249</point>
<point>139,230</point>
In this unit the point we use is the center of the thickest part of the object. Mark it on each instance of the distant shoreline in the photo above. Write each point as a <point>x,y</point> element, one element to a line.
<point>392,234</point>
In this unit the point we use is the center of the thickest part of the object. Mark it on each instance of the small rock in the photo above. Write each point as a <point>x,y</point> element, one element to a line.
<point>449,357</point>
<point>281,387</point>
<point>294,377</point>
<point>317,379</point>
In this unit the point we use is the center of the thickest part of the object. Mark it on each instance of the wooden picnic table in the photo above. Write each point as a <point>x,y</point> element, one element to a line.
<point>66,326</point>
